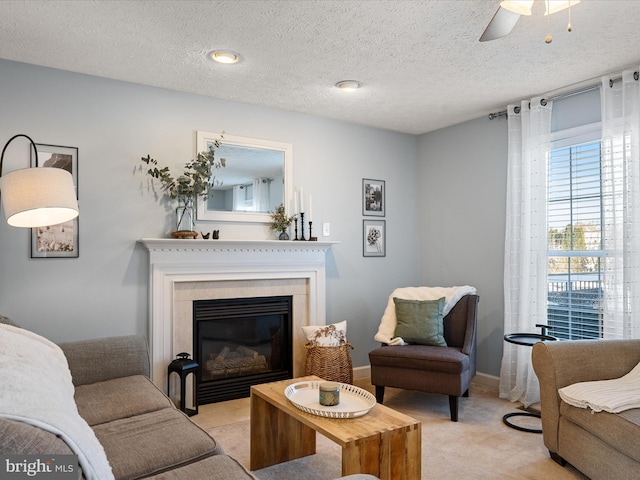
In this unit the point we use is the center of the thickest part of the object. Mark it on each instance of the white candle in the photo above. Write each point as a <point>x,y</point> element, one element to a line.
<point>295,201</point>
<point>310,207</point>
<point>301,201</point>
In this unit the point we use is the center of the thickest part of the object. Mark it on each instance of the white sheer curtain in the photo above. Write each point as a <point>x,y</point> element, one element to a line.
<point>621,206</point>
<point>239,202</point>
<point>261,188</point>
<point>525,263</point>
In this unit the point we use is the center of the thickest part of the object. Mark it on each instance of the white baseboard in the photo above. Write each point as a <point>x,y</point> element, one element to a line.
<point>362,372</point>
<point>487,380</point>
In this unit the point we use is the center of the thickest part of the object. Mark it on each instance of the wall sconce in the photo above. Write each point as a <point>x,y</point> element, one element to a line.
<point>37,197</point>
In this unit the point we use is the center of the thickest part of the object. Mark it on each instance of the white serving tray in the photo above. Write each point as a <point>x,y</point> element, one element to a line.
<point>354,401</point>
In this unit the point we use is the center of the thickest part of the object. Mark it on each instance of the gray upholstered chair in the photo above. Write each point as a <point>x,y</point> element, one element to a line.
<point>425,368</point>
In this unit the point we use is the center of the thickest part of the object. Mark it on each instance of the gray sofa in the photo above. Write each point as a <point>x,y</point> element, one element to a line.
<point>141,431</point>
<point>601,445</point>
<point>143,434</point>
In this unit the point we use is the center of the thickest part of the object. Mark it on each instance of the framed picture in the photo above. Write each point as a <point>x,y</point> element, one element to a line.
<point>56,241</point>
<point>373,203</point>
<point>374,238</point>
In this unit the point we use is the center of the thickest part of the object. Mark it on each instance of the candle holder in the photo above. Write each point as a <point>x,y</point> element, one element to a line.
<point>302,226</point>
<point>295,218</point>
<point>311,237</point>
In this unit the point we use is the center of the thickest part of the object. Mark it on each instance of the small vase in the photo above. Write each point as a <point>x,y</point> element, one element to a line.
<point>184,215</point>
<point>283,236</point>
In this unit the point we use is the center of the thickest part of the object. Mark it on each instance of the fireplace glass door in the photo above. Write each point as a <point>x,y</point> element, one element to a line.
<point>241,342</point>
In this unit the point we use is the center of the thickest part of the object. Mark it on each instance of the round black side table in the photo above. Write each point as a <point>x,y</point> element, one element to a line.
<point>528,340</point>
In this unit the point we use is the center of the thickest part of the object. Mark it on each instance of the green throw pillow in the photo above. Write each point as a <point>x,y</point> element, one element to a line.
<point>420,321</point>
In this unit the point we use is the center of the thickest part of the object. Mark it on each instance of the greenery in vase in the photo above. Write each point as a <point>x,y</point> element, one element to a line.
<point>279,219</point>
<point>195,181</point>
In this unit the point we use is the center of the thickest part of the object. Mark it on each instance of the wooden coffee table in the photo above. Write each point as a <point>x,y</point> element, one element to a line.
<point>384,443</point>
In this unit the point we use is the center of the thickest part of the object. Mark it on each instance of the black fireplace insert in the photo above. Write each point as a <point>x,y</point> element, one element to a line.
<point>241,342</point>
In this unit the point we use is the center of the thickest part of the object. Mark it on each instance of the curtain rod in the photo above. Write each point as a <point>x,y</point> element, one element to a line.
<point>636,76</point>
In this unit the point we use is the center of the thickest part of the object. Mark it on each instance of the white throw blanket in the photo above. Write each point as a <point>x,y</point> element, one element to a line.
<point>37,389</point>
<point>613,396</point>
<point>388,322</point>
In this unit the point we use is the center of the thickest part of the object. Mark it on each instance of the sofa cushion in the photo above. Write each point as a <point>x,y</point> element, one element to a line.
<point>37,389</point>
<point>124,397</point>
<point>217,467</point>
<point>101,359</point>
<point>421,357</point>
<point>153,442</point>
<point>19,438</point>
<point>620,430</point>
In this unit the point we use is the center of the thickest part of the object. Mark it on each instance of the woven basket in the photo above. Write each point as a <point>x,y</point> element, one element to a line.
<point>330,363</point>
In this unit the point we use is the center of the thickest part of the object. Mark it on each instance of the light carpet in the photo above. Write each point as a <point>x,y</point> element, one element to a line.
<point>478,446</point>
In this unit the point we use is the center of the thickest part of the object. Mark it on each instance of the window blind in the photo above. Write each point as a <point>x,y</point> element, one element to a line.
<point>574,220</point>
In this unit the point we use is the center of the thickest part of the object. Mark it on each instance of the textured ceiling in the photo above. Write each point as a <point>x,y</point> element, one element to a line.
<point>420,62</point>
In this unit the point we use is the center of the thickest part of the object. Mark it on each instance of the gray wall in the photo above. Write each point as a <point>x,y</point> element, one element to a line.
<point>104,291</point>
<point>453,234</point>
<point>463,173</point>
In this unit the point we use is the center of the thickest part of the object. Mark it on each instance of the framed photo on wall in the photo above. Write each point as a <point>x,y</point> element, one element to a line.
<point>56,241</point>
<point>374,238</point>
<point>373,202</point>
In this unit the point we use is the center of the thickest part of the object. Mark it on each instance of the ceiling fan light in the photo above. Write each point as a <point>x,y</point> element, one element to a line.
<point>554,6</point>
<point>521,7</point>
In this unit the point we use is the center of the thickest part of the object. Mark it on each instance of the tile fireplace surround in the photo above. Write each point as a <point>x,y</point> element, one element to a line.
<point>181,271</point>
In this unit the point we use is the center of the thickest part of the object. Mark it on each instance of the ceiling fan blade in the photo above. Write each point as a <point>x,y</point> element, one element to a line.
<point>500,25</point>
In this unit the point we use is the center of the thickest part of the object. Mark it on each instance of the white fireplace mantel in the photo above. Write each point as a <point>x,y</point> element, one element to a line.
<point>175,261</point>
<point>168,245</point>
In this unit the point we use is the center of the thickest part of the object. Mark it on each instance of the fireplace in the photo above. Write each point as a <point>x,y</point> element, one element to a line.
<point>184,271</point>
<point>240,342</point>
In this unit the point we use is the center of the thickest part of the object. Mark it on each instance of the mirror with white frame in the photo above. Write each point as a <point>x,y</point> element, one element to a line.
<point>255,180</point>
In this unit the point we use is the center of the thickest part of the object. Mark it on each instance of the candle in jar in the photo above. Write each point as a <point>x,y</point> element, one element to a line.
<point>329,394</point>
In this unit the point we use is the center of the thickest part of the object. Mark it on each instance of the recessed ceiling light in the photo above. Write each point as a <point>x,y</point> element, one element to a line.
<point>348,85</point>
<point>224,56</point>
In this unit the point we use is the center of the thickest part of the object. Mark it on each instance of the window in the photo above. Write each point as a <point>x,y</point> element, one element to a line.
<point>574,220</point>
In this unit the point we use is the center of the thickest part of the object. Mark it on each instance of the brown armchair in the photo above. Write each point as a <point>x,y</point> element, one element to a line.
<point>425,368</point>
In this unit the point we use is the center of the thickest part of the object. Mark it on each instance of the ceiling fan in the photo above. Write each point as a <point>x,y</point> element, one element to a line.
<point>509,11</point>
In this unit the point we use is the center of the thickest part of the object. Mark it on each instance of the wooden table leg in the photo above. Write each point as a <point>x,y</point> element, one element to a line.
<point>413,448</point>
<point>362,456</point>
<point>276,437</point>
<point>402,454</point>
<point>391,455</point>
